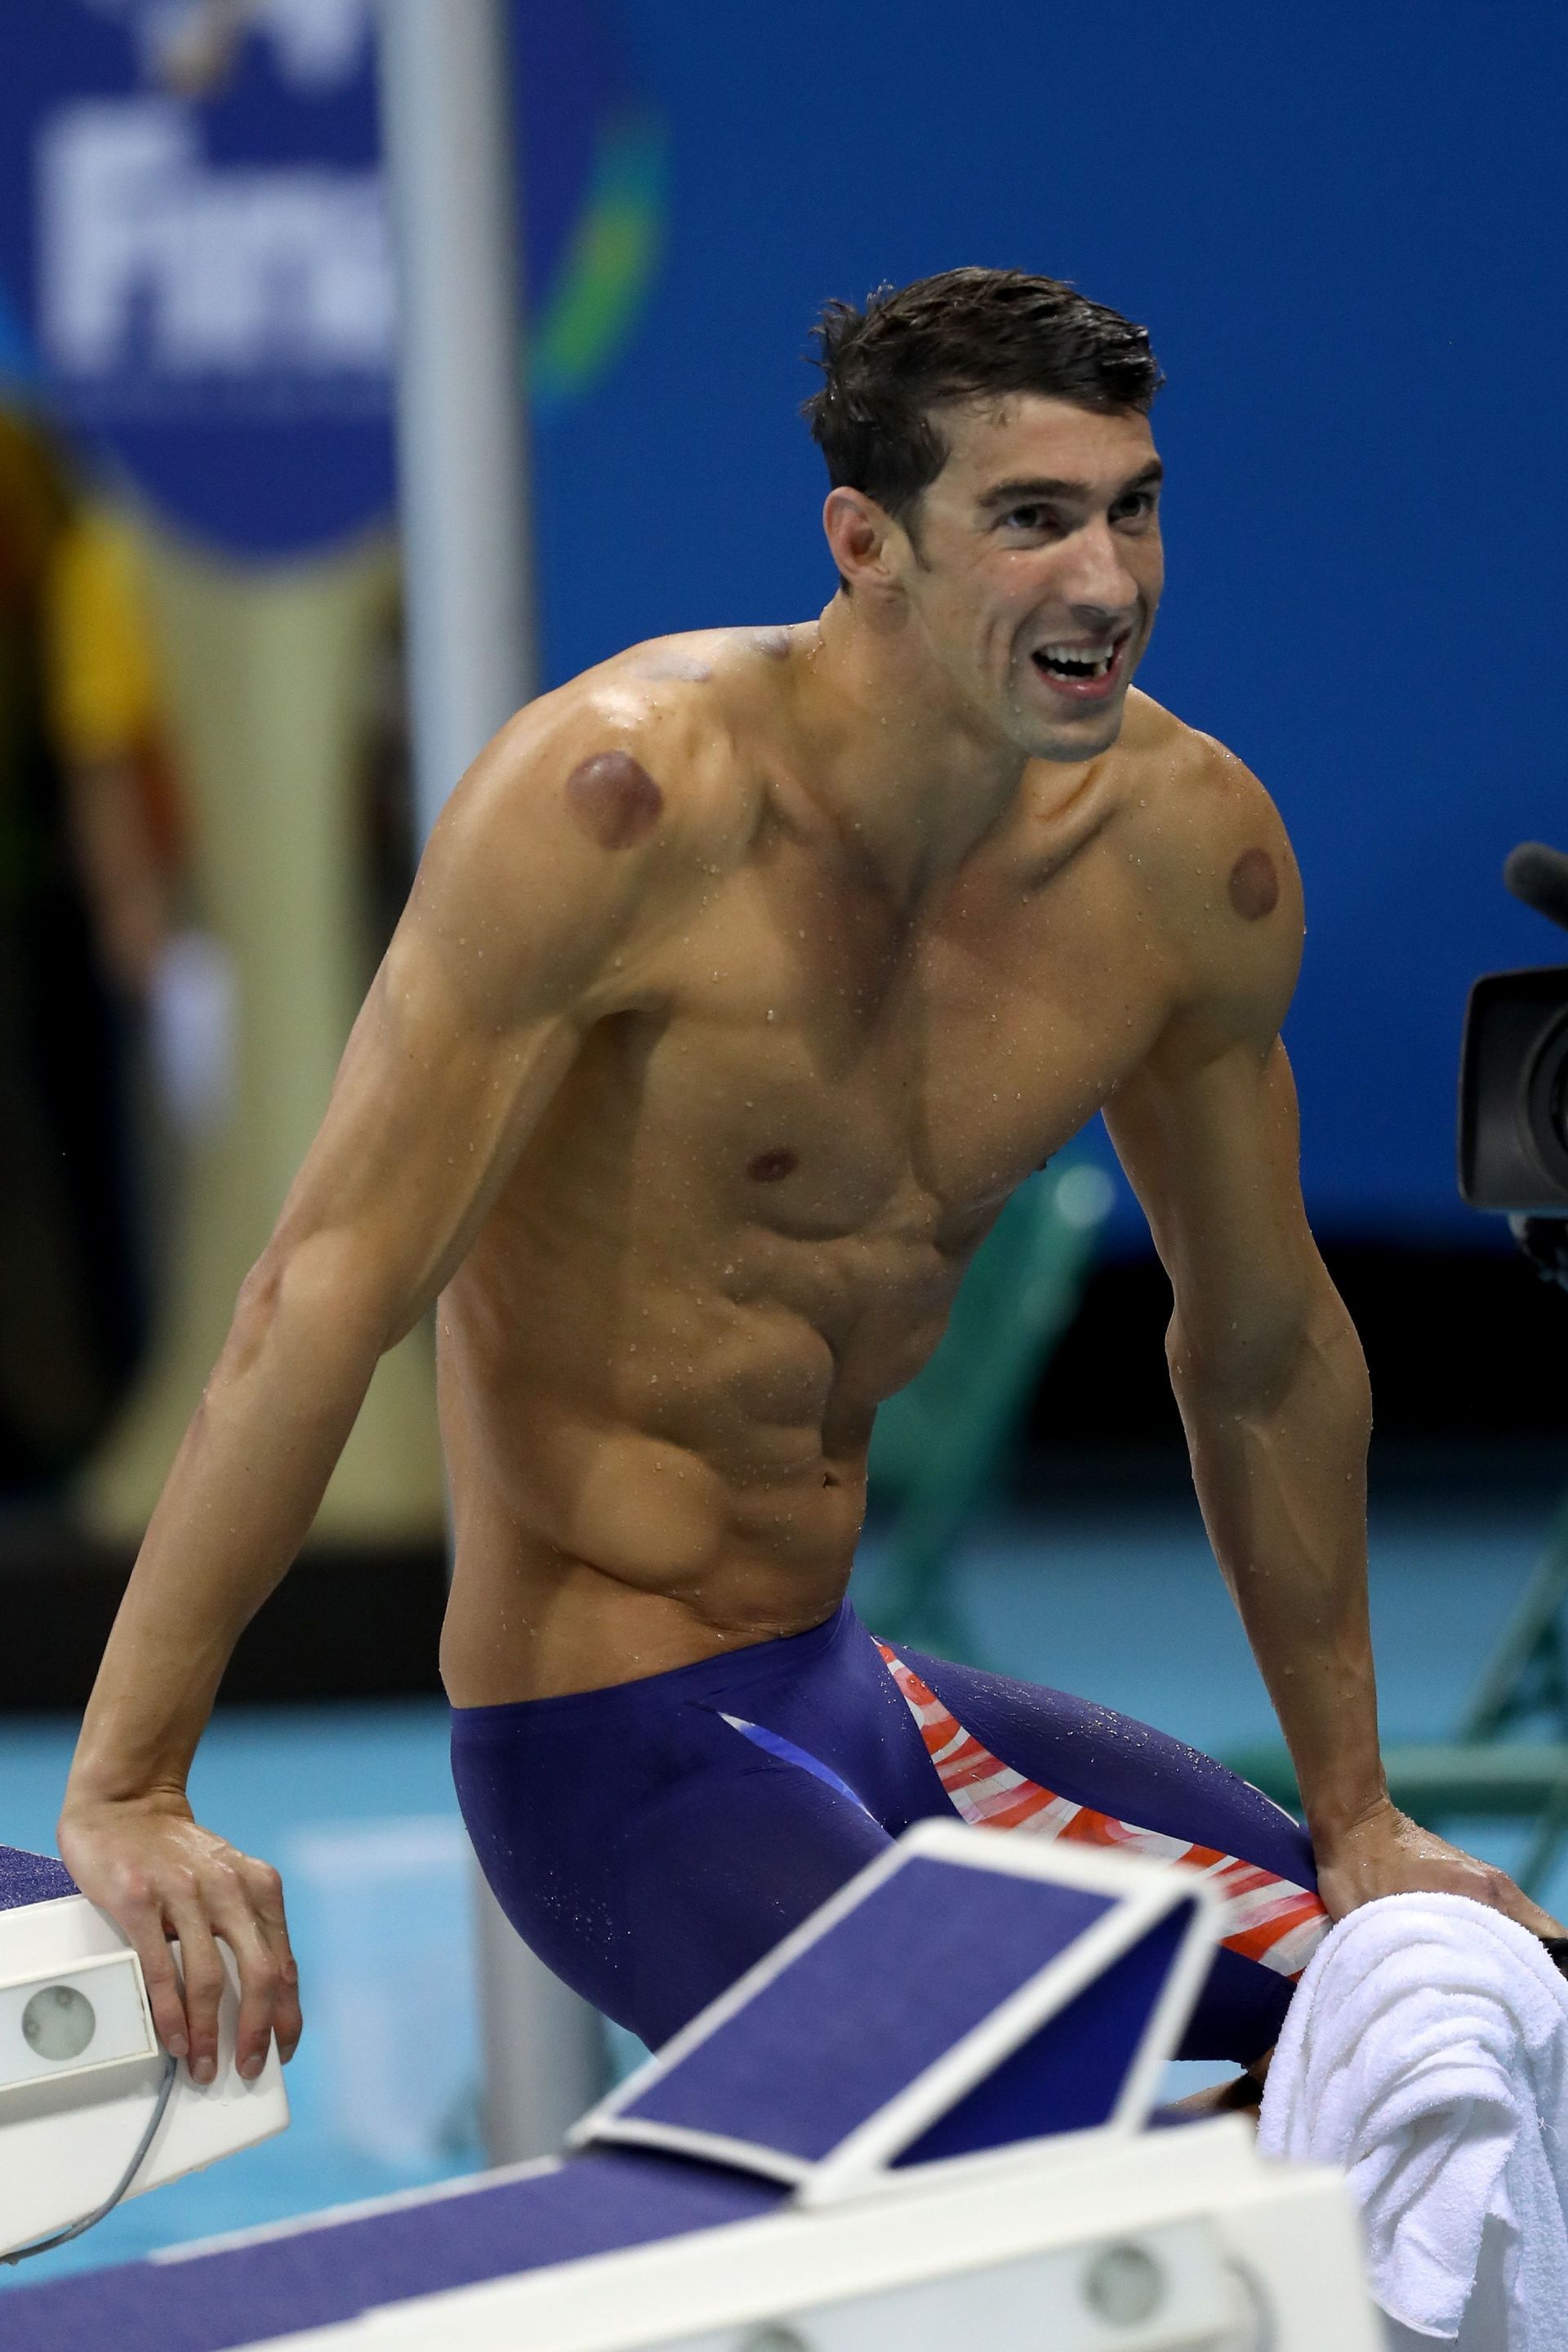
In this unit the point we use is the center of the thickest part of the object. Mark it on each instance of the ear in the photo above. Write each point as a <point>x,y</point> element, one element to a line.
<point>866,543</point>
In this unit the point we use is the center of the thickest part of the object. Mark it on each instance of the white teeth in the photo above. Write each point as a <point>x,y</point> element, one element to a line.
<point>1092,661</point>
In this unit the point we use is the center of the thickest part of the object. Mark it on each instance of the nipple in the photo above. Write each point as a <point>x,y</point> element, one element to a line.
<point>769,1166</point>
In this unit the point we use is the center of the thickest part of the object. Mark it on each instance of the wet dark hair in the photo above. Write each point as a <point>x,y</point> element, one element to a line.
<point>889,370</point>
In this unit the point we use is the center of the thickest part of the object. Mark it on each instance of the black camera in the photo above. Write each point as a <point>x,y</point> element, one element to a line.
<point>1513,1080</point>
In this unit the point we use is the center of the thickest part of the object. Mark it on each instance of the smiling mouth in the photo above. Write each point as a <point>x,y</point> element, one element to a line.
<point>1078,663</point>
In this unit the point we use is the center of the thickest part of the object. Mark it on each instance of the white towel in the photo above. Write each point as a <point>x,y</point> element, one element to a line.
<point>1426,2053</point>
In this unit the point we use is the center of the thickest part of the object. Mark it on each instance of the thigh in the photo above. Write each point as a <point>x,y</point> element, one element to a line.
<point>651,1841</point>
<point>720,1868</point>
<point>1014,1756</point>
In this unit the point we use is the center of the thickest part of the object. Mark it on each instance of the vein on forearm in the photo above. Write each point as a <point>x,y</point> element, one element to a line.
<point>1278,1428</point>
<point>238,1503</point>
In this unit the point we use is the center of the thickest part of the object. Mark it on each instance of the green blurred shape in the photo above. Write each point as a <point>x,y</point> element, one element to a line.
<point>941,1445</point>
<point>594,306</point>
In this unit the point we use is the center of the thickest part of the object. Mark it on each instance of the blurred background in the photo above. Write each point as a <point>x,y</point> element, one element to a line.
<point>1343,229</point>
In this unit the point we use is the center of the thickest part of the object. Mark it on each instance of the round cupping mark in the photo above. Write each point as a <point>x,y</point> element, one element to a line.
<point>1254,884</point>
<point>614,799</point>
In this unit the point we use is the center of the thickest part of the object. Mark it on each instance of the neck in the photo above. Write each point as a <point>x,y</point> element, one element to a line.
<point>907,772</point>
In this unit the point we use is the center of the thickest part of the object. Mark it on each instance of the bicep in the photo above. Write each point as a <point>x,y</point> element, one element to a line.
<point>1208,1126</point>
<point>1210,1142</point>
<point>493,977</point>
<point>560,858</point>
<point>427,1115</point>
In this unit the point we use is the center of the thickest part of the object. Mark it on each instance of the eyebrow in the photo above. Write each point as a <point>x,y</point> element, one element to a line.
<point>1025,488</point>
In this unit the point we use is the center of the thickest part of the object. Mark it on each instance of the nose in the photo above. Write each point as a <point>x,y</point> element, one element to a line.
<point>1097,583</point>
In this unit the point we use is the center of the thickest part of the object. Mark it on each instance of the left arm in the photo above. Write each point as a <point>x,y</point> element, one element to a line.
<point>1269,1375</point>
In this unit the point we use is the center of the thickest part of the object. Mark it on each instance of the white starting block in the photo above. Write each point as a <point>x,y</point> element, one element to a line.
<point>920,2124</point>
<point>91,2109</point>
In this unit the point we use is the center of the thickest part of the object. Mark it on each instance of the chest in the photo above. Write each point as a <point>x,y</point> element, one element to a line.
<point>825,1067</point>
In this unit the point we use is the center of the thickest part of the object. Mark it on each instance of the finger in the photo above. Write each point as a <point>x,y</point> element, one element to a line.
<point>205,1981</point>
<point>1494,1887</point>
<point>260,1975</point>
<point>144,1924</point>
<point>1519,1905</point>
<point>265,1890</point>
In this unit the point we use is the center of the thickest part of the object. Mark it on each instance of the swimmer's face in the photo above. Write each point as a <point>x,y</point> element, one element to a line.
<point>1031,567</point>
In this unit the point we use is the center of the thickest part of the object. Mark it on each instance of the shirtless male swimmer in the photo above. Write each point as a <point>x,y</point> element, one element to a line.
<point>742,980</point>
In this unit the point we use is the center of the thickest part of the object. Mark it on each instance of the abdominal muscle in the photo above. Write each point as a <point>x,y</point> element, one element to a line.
<point>623,1509</point>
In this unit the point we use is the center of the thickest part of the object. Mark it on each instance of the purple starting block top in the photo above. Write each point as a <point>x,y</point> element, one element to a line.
<point>332,2269</point>
<point>926,1956</point>
<point>31,1878</point>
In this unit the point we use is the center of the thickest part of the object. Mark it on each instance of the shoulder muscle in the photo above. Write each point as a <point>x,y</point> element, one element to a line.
<point>589,824</point>
<point>1230,891</point>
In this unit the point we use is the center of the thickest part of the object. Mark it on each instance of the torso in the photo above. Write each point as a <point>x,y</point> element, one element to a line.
<point>745,1214</point>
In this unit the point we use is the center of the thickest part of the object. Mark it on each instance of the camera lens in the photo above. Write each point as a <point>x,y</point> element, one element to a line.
<point>1545,1104</point>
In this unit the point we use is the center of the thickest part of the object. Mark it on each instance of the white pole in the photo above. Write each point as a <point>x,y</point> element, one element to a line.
<point>462,454</point>
<point>463,495</point>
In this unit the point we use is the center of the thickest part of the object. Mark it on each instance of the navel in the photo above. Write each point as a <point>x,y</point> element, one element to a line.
<point>1254,884</point>
<point>769,1166</point>
<point>614,799</point>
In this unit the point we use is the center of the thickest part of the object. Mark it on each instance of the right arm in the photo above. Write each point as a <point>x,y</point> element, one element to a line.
<point>493,977</point>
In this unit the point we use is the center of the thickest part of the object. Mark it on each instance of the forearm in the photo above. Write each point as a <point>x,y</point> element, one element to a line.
<point>1280,1470</point>
<point>238,1503</point>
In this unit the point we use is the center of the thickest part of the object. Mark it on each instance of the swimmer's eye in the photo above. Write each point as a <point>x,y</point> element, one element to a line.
<point>1034,519</point>
<point>1135,513</point>
<point>1138,508</point>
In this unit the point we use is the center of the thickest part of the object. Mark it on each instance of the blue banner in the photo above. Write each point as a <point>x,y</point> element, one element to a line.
<point>195,271</point>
